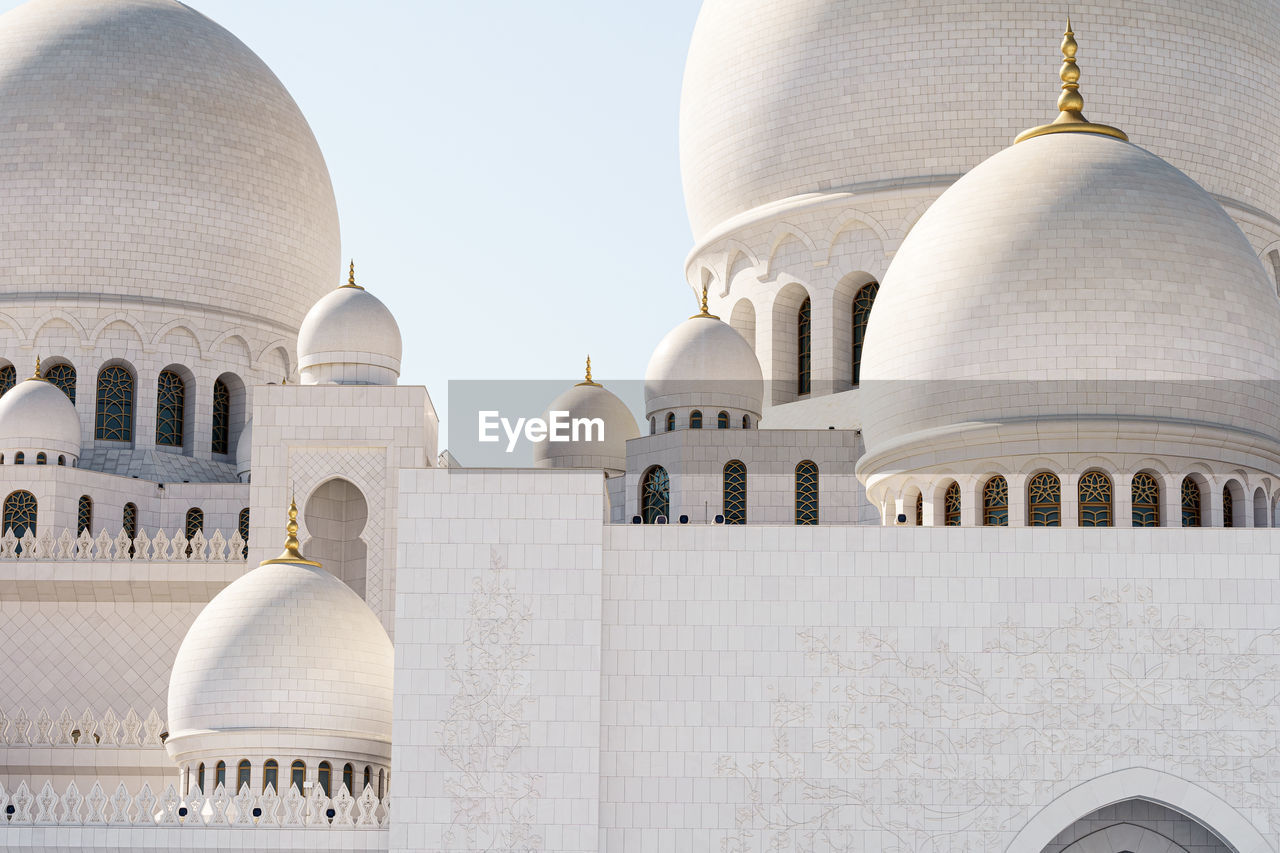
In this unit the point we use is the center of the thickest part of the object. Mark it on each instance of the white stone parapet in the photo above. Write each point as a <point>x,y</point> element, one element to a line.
<point>86,730</point>
<point>158,548</point>
<point>245,810</point>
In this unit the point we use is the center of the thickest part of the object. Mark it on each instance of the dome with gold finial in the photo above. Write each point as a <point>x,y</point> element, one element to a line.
<point>38,420</point>
<point>349,338</point>
<point>252,680</point>
<point>605,425</point>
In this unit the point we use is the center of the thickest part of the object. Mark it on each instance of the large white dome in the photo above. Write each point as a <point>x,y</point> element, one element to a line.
<point>35,416</point>
<point>149,155</point>
<point>788,97</point>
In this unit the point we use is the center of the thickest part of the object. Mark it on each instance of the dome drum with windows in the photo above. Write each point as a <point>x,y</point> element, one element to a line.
<point>38,422</point>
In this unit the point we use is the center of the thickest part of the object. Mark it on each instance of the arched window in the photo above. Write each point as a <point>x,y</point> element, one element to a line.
<point>20,513</point>
<point>653,426</point>
<point>951,505</point>
<point>803,351</point>
<point>1190,503</point>
<point>368,777</point>
<point>920,509</point>
<point>806,493</point>
<point>995,502</point>
<point>113,420</point>
<point>194,524</point>
<point>171,407</point>
<point>130,522</point>
<point>1044,497</point>
<point>735,492</point>
<point>8,378</point>
<point>1146,501</point>
<point>348,778</point>
<point>695,420</point>
<point>1228,508</point>
<point>244,530</point>
<point>220,774</point>
<point>64,377</point>
<point>242,774</point>
<point>221,417</point>
<point>62,460</point>
<point>41,459</point>
<point>722,420</point>
<point>298,775</point>
<point>325,778</point>
<point>382,776</point>
<point>1095,500</point>
<point>19,458</point>
<point>746,421</point>
<point>200,777</point>
<point>84,524</point>
<point>861,315</point>
<point>655,495</point>
<point>271,775</point>
<point>671,421</point>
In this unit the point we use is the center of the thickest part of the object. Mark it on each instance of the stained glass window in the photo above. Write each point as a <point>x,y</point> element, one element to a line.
<point>722,420</point>
<point>171,405</point>
<point>1095,500</point>
<point>1146,501</point>
<point>995,502</point>
<point>20,513</point>
<point>114,414</point>
<point>803,350</point>
<point>131,520</point>
<point>270,774</point>
<point>1228,508</point>
<point>861,315</point>
<point>735,492</point>
<point>298,775</point>
<point>806,493</point>
<point>695,420</point>
<point>8,378</point>
<point>84,515</point>
<point>1044,494</point>
<point>41,459</point>
<point>920,510</point>
<point>1190,503</point>
<point>63,376</point>
<point>671,421</point>
<point>655,495</point>
<point>244,530</point>
<point>221,418</point>
<point>194,524</point>
<point>952,504</point>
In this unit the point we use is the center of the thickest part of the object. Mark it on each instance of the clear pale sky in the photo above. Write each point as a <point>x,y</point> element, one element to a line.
<point>507,171</point>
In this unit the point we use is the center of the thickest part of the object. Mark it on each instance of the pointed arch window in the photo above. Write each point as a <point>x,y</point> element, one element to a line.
<point>1190,503</point>
<point>804,350</point>
<point>806,493</point>
<point>1228,508</point>
<point>995,502</point>
<point>84,523</point>
<point>655,495</point>
<point>221,417</point>
<point>671,421</point>
<point>20,510</point>
<point>951,504</point>
<point>1044,496</point>
<point>722,420</point>
<point>735,492</point>
<point>1146,501</point>
<point>64,377</point>
<point>1095,500</point>
<point>113,419</point>
<point>242,774</point>
<point>862,303</point>
<point>298,775</point>
<point>695,420</point>
<point>171,407</point>
<point>244,530</point>
<point>270,775</point>
<point>8,378</point>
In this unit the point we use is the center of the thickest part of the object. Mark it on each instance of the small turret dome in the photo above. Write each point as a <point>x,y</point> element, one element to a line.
<point>589,401</point>
<point>349,338</point>
<point>36,417</point>
<point>244,452</point>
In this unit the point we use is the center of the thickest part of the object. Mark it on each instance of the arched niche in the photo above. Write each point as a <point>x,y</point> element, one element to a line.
<point>336,514</point>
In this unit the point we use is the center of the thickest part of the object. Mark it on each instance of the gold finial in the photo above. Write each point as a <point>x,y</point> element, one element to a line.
<point>704,312</point>
<point>588,381</point>
<point>1070,103</point>
<point>37,375</point>
<point>291,554</point>
<point>351,277</point>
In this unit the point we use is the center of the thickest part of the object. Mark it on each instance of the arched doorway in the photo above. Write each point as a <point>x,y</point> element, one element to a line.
<point>1135,826</point>
<point>336,515</point>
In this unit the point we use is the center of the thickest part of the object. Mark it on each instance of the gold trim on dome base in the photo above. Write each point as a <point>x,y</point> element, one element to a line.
<point>1072,127</point>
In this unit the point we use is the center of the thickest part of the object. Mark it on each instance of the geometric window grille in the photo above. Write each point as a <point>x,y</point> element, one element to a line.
<point>803,350</point>
<point>861,315</point>
<point>806,493</point>
<point>221,417</point>
<point>64,377</point>
<point>1044,494</point>
<point>953,505</point>
<point>1146,501</point>
<point>244,530</point>
<point>171,404</point>
<point>194,524</point>
<point>695,420</point>
<point>1228,508</point>
<point>84,515</point>
<point>735,492</point>
<point>20,513</point>
<point>920,510</point>
<point>995,502</point>
<point>114,420</point>
<point>1095,500</point>
<point>1190,503</point>
<point>722,420</point>
<point>8,378</point>
<point>655,495</point>
<point>131,521</point>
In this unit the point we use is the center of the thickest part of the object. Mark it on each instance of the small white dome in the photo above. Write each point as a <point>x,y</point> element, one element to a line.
<point>349,338</point>
<point>35,416</point>
<point>589,400</point>
<point>260,673</point>
<point>703,363</point>
<point>244,451</point>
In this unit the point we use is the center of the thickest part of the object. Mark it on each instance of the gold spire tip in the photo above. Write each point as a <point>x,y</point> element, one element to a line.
<point>588,381</point>
<point>1070,102</point>
<point>351,277</point>
<point>291,554</point>
<point>704,312</point>
<point>37,375</point>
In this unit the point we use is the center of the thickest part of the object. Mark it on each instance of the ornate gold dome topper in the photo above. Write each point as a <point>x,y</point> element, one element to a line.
<point>291,554</point>
<point>1070,103</point>
<point>588,380</point>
